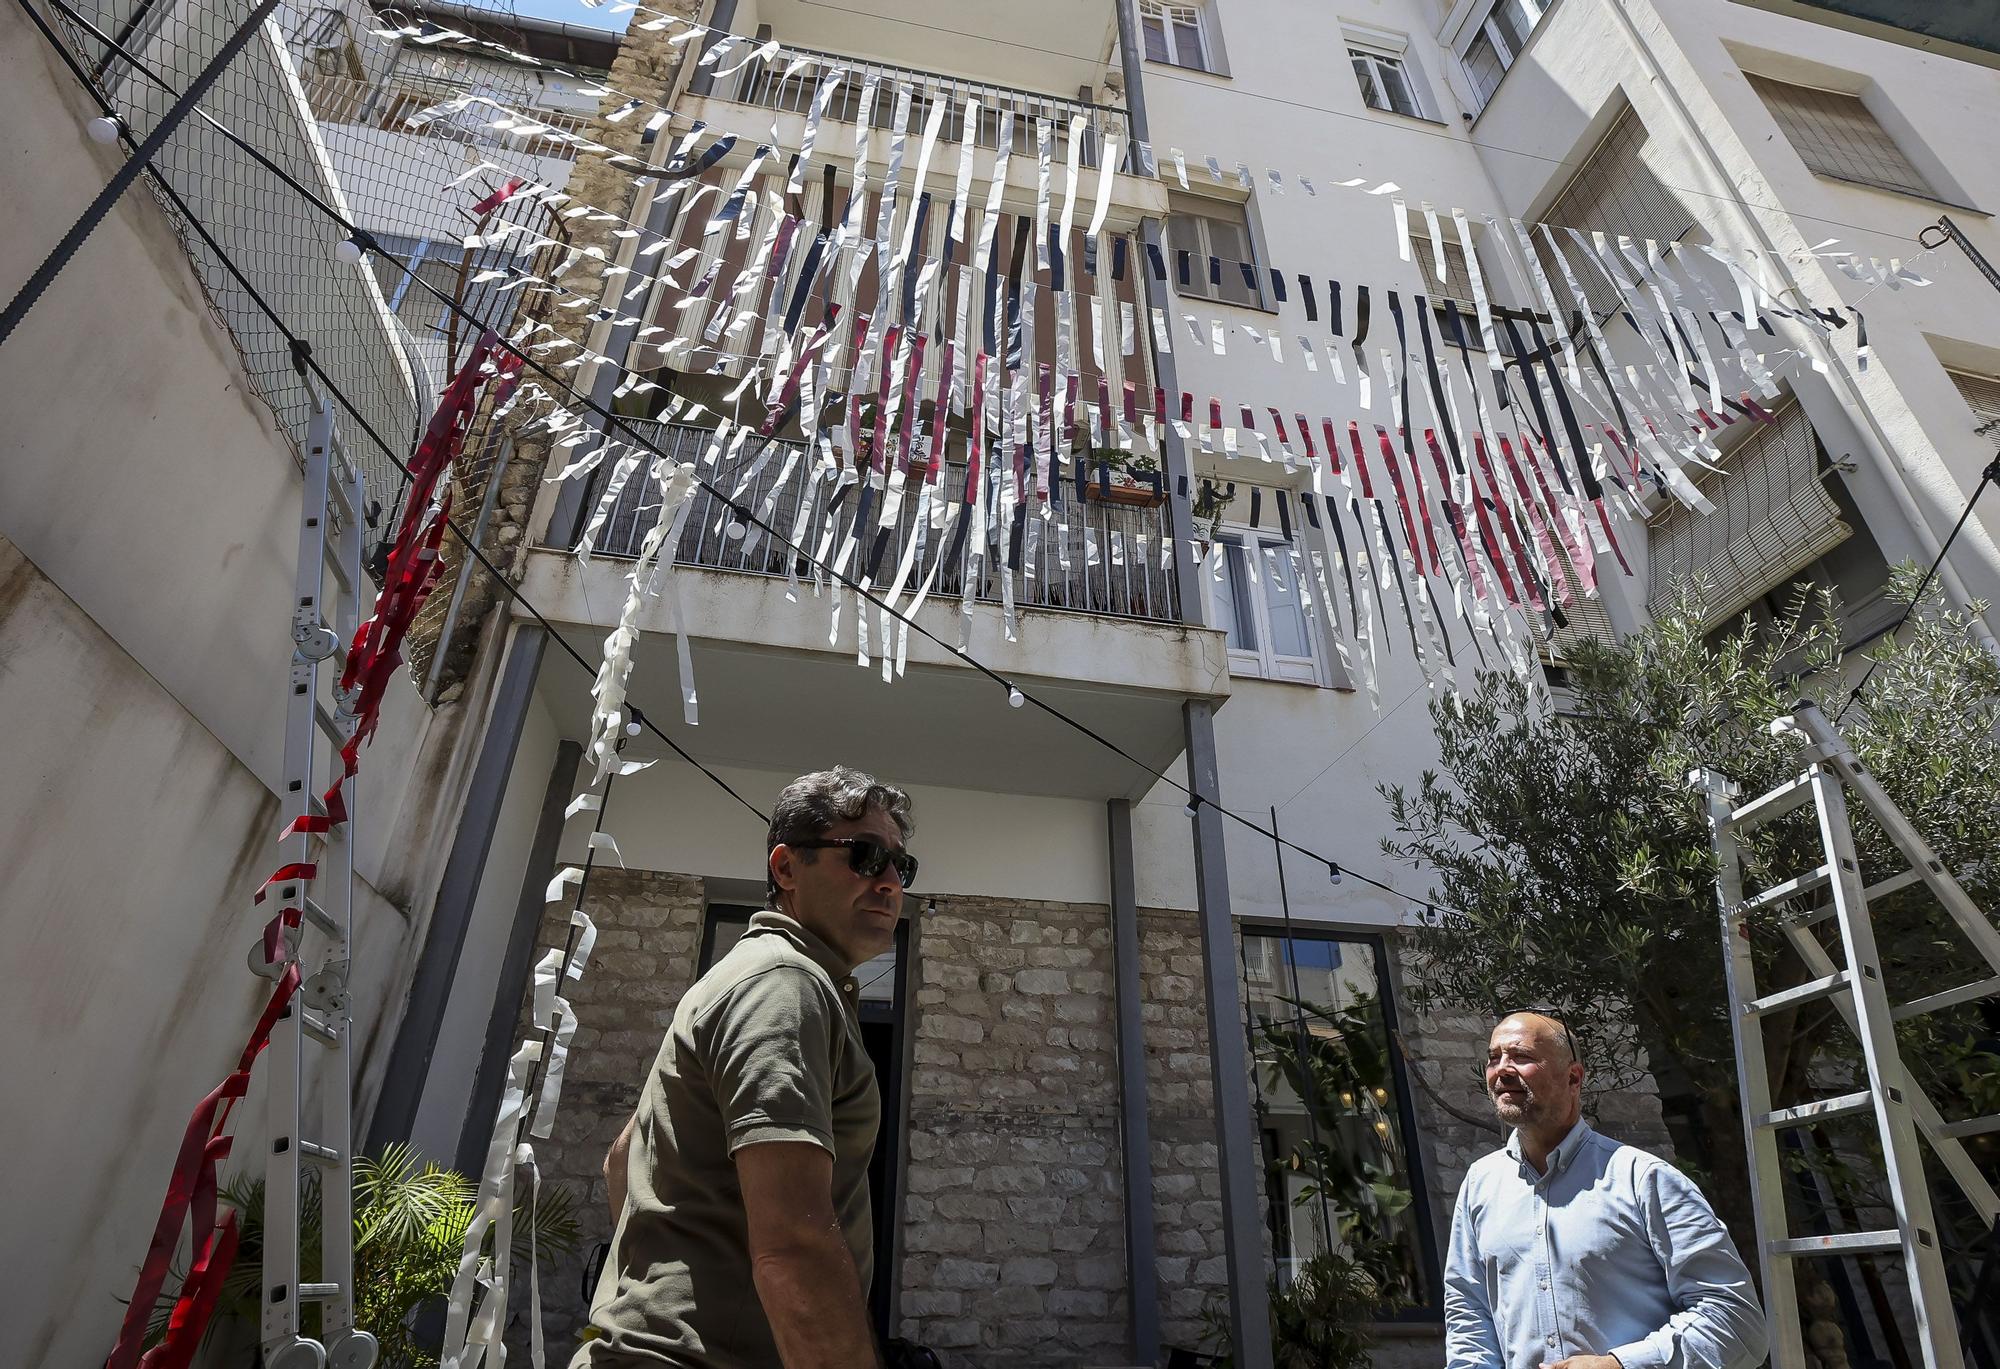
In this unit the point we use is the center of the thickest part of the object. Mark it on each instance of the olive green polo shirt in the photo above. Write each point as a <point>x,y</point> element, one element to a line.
<point>765,1047</point>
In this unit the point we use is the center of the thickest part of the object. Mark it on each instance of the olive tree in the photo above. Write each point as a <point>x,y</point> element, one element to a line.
<point>1572,865</point>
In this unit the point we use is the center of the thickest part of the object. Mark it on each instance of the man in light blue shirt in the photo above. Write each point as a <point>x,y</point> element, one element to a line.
<point>1571,1251</point>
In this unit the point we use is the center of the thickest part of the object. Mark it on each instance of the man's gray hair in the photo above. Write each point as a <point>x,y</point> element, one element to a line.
<point>810,805</point>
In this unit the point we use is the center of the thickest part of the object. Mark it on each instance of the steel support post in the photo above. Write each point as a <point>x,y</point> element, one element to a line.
<point>1142,1277</point>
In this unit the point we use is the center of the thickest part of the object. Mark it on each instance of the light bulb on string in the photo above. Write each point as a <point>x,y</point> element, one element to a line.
<point>1015,698</point>
<point>349,251</point>
<point>636,724</point>
<point>102,130</point>
<point>930,906</point>
<point>1333,872</point>
<point>1193,808</point>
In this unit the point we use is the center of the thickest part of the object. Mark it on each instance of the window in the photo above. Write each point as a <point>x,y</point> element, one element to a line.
<point>1259,606</point>
<point>1456,283</point>
<point>1333,1111</point>
<point>1780,515</point>
<point>1384,83</point>
<point>1177,35</point>
<point>1614,192</point>
<point>1982,395</point>
<point>1836,135</point>
<point>1494,43</point>
<point>1215,229</point>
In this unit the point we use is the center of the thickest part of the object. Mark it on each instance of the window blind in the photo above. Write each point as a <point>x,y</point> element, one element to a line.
<point>1773,516</point>
<point>1837,135</point>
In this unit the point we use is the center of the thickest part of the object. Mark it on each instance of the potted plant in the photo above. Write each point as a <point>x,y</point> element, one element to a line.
<point>1211,502</point>
<point>1133,477</point>
<point>410,1220</point>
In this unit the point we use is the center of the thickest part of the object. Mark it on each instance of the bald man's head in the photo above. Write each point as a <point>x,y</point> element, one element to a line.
<point>1532,1072</point>
<point>1550,1030</point>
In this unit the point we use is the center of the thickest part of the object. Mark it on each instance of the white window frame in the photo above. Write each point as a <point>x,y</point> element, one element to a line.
<point>1488,26</point>
<point>1378,56</point>
<point>1260,661</point>
<point>1184,210</point>
<point>1207,54</point>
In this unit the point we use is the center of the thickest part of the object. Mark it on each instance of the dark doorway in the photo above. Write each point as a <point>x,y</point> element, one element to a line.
<point>882,1013</point>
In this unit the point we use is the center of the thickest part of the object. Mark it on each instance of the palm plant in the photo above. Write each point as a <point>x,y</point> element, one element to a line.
<point>410,1221</point>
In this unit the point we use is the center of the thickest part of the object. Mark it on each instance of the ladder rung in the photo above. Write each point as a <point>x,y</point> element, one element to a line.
<point>1971,1126</point>
<point>317,1029</point>
<point>1884,887</point>
<point>313,1150</point>
<point>333,563</point>
<point>1950,998</point>
<point>322,919</point>
<point>1841,1243</point>
<point>328,723</point>
<point>1879,889</point>
<point>1791,794</point>
<point>318,1292</point>
<point>1807,992</point>
<point>1819,1110</point>
<point>1817,878</point>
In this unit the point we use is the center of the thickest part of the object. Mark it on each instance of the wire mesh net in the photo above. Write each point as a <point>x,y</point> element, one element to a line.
<point>333,96</point>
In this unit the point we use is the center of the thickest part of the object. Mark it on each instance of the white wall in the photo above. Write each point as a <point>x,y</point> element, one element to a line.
<point>148,523</point>
<point>1290,104</point>
<point>1293,105</point>
<point>970,842</point>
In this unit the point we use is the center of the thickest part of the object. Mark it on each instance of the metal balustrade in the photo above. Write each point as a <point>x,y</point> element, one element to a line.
<point>1091,557</point>
<point>763,83</point>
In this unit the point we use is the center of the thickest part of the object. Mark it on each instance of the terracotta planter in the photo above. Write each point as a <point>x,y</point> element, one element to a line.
<point>1133,496</point>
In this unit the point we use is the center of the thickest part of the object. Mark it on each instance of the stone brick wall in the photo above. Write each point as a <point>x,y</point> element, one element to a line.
<point>1012,1215</point>
<point>1187,1176</point>
<point>646,66</point>
<point>648,939</point>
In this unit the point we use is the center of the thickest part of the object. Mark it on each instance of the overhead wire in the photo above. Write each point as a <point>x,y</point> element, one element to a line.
<point>366,240</point>
<point>301,350</point>
<point>1360,118</point>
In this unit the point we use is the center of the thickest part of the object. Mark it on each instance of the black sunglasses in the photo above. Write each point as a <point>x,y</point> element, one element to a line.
<point>868,857</point>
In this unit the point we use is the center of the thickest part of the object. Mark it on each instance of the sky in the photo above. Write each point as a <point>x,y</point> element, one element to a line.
<point>567,11</point>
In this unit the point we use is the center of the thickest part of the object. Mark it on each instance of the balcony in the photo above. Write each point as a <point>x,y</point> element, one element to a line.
<point>1048,45</point>
<point>764,85</point>
<point>1098,639</point>
<point>1090,559</point>
<point>759,97</point>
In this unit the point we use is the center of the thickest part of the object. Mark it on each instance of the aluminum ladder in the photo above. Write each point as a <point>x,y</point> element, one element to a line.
<point>1900,1109</point>
<point>315,925</point>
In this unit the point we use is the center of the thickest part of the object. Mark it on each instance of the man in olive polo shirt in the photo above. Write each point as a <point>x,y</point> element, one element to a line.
<point>740,1186</point>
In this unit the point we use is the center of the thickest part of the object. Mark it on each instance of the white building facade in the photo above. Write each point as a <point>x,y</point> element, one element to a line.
<point>1053,1188</point>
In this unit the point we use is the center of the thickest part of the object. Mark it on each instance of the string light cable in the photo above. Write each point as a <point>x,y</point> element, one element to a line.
<point>303,352</point>
<point>303,358</point>
<point>1986,477</point>
<point>711,32</point>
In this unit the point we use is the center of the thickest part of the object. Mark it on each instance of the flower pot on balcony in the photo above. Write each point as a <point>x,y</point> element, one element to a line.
<point>1132,495</point>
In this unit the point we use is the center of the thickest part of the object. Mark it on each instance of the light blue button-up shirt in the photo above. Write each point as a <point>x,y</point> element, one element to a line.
<point>1611,1252</point>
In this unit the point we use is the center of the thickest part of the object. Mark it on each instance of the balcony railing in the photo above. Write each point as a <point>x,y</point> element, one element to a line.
<point>489,118</point>
<point>763,84</point>
<point>1093,557</point>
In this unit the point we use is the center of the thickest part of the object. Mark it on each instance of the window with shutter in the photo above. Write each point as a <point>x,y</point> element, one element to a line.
<point>1982,396</point>
<point>1614,192</point>
<point>1773,517</point>
<point>1175,34</point>
<point>1836,135</point>
<point>1213,228</point>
